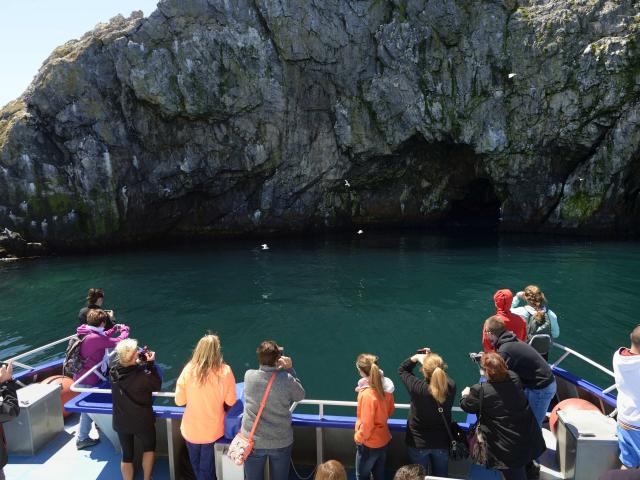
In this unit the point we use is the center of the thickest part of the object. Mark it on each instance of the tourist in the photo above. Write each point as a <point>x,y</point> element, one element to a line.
<point>532,305</point>
<point>134,377</point>
<point>427,438</point>
<point>273,437</point>
<point>9,409</point>
<point>96,340</point>
<point>375,405</point>
<point>506,422</point>
<point>512,322</point>
<point>206,386</point>
<point>535,374</point>
<point>626,369</point>
<point>410,472</point>
<point>95,299</point>
<point>331,470</point>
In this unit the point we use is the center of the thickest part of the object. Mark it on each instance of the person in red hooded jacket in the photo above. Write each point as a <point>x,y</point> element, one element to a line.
<point>512,322</point>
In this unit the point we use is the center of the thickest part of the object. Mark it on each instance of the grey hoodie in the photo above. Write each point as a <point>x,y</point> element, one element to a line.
<point>274,429</point>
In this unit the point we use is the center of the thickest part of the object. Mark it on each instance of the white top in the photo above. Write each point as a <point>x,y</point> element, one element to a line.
<point>627,373</point>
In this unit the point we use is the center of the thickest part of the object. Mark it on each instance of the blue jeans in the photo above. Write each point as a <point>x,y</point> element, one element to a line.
<point>85,421</point>
<point>202,460</point>
<point>370,460</point>
<point>438,458</point>
<point>279,459</point>
<point>85,427</point>
<point>540,399</point>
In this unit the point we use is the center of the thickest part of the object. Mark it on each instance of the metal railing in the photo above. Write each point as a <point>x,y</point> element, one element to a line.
<point>339,403</point>
<point>320,403</point>
<point>75,386</point>
<point>568,351</point>
<point>35,350</point>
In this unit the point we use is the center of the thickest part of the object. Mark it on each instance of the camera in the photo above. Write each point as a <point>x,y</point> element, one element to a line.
<point>423,351</point>
<point>142,354</point>
<point>475,357</point>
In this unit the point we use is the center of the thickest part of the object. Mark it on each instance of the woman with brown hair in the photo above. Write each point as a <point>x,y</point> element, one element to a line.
<point>506,423</point>
<point>95,299</point>
<point>375,405</point>
<point>205,386</point>
<point>427,438</point>
<point>531,304</point>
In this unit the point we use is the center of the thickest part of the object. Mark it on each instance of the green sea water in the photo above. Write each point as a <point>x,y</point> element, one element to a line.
<point>326,300</point>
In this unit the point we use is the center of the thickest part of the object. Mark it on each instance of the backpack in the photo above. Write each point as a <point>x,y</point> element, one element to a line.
<point>73,361</point>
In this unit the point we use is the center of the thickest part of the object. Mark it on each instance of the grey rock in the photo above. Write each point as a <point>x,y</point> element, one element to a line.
<point>213,117</point>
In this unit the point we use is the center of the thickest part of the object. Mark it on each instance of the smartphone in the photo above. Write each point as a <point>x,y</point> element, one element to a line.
<point>281,350</point>
<point>423,351</point>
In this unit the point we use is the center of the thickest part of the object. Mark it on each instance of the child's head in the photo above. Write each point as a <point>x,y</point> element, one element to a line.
<point>410,472</point>
<point>331,470</point>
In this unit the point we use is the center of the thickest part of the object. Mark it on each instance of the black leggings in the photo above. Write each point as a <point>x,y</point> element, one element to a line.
<point>147,438</point>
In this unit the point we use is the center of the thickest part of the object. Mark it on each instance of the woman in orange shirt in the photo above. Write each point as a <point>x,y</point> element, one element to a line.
<point>375,404</point>
<point>205,386</point>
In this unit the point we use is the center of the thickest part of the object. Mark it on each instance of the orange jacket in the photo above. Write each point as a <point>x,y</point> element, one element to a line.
<point>203,419</point>
<point>373,412</point>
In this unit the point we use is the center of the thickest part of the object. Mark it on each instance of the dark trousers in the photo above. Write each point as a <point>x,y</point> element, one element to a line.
<point>518,473</point>
<point>370,460</point>
<point>202,460</point>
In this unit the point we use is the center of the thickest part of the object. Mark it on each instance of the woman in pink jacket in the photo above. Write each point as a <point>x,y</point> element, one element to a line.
<point>95,342</point>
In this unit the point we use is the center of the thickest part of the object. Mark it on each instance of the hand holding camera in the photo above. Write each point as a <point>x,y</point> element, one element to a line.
<point>420,355</point>
<point>6,372</point>
<point>284,363</point>
<point>143,354</point>
<point>475,357</point>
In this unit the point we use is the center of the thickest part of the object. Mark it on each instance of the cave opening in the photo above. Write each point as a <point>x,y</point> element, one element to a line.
<point>478,207</point>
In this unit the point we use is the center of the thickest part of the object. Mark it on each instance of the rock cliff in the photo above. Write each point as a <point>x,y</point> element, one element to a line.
<point>215,117</point>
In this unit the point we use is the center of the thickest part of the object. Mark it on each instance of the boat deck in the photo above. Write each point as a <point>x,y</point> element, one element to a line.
<point>60,459</point>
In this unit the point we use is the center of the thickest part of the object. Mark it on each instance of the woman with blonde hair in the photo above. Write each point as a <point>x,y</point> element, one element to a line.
<point>205,386</point>
<point>331,470</point>
<point>134,377</point>
<point>375,405</point>
<point>531,304</point>
<point>427,438</point>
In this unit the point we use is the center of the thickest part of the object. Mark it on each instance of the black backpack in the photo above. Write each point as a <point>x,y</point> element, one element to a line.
<point>73,361</point>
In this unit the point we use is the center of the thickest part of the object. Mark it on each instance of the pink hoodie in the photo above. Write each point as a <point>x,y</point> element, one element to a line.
<point>93,348</point>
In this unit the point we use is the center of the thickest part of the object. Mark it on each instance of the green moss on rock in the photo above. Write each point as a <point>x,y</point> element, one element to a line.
<point>580,207</point>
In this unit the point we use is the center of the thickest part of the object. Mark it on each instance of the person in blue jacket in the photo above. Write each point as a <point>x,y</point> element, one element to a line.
<point>532,305</point>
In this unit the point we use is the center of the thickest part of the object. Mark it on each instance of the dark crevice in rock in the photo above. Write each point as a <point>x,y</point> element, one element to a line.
<point>479,208</point>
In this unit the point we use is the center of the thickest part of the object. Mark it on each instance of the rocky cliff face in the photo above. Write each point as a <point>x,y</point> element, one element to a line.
<point>218,116</point>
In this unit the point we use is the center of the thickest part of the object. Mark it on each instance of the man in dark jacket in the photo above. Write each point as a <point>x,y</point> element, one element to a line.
<point>8,409</point>
<point>534,372</point>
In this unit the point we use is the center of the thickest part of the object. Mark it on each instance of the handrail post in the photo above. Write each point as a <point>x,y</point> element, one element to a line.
<point>320,437</point>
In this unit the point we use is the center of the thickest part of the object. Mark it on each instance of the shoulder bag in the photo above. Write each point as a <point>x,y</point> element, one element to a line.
<point>459,449</point>
<point>242,446</point>
<point>477,442</point>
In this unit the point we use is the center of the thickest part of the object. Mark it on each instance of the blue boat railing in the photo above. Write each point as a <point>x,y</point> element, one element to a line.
<point>321,403</point>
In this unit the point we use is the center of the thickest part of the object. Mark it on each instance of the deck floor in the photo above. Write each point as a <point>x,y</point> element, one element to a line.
<point>61,459</point>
